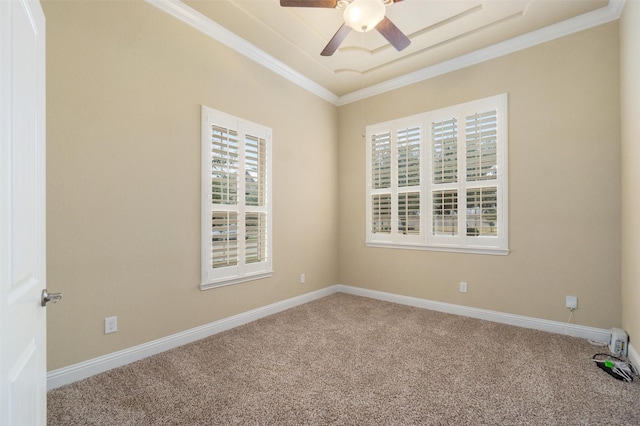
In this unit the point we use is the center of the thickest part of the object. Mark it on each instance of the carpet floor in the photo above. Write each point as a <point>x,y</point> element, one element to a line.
<point>349,360</point>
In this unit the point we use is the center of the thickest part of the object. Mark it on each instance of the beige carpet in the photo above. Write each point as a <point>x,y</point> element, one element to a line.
<point>356,361</point>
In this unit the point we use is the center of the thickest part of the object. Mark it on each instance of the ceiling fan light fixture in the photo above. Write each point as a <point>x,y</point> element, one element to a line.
<point>364,15</point>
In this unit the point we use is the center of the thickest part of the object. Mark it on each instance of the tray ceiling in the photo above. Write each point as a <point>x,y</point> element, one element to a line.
<point>440,31</point>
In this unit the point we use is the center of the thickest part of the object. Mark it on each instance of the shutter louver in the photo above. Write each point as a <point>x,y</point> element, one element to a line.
<point>482,212</point>
<point>255,184</point>
<point>381,160</point>
<point>255,160</point>
<point>409,213</point>
<point>482,145</point>
<point>224,165</point>
<point>444,136</point>
<point>445,213</point>
<point>409,157</point>
<point>256,237</point>
<point>224,239</point>
<point>381,214</point>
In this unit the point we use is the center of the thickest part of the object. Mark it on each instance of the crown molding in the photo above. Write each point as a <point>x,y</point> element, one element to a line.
<point>197,20</point>
<point>570,26</point>
<point>217,32</point>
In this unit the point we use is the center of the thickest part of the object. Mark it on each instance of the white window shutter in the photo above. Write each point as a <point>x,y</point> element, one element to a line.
<point>443,190</point>
<point>444,145</point>
<point>482,145</point>
<point>237,219</point>
<point>381,160</point>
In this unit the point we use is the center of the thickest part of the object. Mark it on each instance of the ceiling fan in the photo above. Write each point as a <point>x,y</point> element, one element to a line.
<point>360,15</point>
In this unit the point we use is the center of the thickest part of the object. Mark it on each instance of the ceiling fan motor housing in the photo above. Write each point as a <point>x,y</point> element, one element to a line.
<point>341,4</point>
<point>364,15</point>
<point>361,15</point>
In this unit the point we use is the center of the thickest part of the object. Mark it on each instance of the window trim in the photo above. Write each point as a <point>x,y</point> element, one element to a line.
<point>242,272</point>
<point>460,243</point>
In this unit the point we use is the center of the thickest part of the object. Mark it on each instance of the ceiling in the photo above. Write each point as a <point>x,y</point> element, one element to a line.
<point>444,34</point>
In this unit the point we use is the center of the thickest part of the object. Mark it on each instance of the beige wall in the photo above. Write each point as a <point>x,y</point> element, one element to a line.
<point>564,186</point>
<point>630,114</point>
<point>125,82</point>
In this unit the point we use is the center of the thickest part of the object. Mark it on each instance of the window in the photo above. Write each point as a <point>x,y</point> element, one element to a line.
<point>236,205</point>
<point>438,180</point>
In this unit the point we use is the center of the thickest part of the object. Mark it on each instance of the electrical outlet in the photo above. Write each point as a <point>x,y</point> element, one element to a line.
<point>571,302</point>
<point>110,325</point>
<point>302,278</point>
<point>463,287</point>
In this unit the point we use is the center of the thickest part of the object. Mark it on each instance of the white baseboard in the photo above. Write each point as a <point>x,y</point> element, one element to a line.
<point>591,333</point>
<point>85,369</point>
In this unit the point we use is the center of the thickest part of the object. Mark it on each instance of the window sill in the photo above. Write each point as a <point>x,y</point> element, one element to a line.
<point>468,250</point>
<point>237,280</point>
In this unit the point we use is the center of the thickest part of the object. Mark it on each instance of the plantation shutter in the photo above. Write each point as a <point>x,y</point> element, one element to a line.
<point>224,165</point>
<point>255,218</point>
<point>409,213</point>
<point>481,133</point>
<point>381,213</point>
<point>381,160</point>
<point>482,145</point>
<point>224,197</point>
<point>445,212</point>
<point>444,166</point>
<point>381,182</point>
<point>224,239</point>
<point>409,157</point>
<point>444,137</point>
<point>408,154</point>
<point>394,178</point>
<point>236,216</point>
<point>482,211</point>
<point>438,180</point>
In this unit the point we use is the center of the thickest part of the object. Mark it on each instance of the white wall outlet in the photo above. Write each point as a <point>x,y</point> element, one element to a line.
<point>302,278</point>
<point>110,325</point>
<point>463,287</point>
<point>571,302</point>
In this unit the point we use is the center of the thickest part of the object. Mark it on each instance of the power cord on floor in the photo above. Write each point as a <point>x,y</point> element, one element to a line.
<point>615,367</point>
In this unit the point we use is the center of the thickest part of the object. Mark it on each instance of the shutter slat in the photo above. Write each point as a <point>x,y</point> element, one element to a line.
<point>481,135</point>
<point>409,213</point>
<point>445,212</point>
<point>255,170</point>
<point>256,236</point>
<point>224,239</point>
<point>444,148</point>
<point>482,212</point>
<point>408,154</point>
<point>381,213</point>
<point>381,160</point>
<point>224,165</point>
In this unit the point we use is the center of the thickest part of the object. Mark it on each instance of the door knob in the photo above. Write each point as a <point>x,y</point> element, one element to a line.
<point>50,297</point>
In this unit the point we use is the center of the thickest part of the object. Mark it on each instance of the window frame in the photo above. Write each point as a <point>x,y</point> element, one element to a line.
<point>463,185</point>
<point>243,270</point>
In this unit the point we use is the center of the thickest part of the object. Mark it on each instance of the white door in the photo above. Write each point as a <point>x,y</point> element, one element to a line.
<point>23,388</point>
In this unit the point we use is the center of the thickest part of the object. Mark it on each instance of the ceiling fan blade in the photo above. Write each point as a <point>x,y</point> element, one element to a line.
<point>393,34</point>
<point>336,40</point>
<point>309,3</point>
